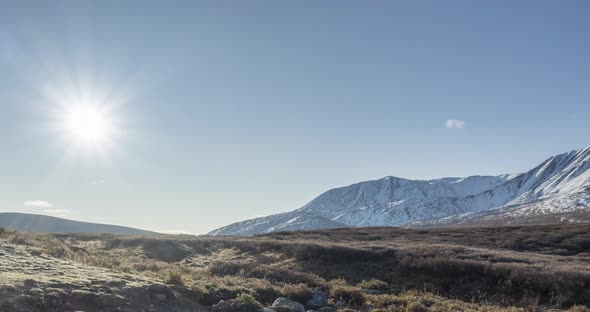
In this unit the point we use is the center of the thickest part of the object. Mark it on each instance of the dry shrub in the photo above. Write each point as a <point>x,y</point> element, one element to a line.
<point>299,292</point>
<point>284,275</point>
<point>174,277</point>
<point>349,295</point>
<point>248,303</point>
<point>419,301</point>
<point>416,307</point>
<point>215,288</point>
<point>223,268</point>
<point>245,298</point>
<point>373,284</point>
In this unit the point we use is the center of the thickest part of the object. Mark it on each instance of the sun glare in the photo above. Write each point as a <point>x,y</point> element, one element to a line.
<point>88,125</point>
<point>85,115</point>
<point>88,128</point>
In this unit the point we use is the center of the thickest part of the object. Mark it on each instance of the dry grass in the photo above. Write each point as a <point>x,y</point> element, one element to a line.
<point>389,268</point>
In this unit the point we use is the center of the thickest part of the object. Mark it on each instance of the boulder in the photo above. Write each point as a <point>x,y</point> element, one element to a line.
<point>54,299</point>
<point>236,305</point>
<point>222,306</point>
<point>29,283</point>
<point>108,300</point>
<point>287,305</point>
<point>127,309</point>
<point>23,303</point>
<point>318,299</point>
<point>82,296</point>
<point>161,293</point>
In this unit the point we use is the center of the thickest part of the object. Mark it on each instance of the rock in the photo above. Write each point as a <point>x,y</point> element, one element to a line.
<point>161,293</point>
<point>326,309</point>
<point>29,283</point>
<point>82,295</point>
<point>287,305</point>
<point>117,284</point>
<point>318,299</point>
<point>128,309</point>
<point>25,303</point>
<point>35,292</point>
<point>222,306</point>
<point>108,300</point>
<point>104,289</point>
<point>267,310</point>
<point>53,299</point>
<point>236,305</point>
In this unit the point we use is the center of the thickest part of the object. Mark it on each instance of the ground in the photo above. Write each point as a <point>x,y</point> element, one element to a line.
<point>381,269</point>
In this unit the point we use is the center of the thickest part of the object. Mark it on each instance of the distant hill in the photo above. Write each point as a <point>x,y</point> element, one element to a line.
<point>45,224</point>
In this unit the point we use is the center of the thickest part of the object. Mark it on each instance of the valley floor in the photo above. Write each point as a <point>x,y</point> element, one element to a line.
<point>378,269</point>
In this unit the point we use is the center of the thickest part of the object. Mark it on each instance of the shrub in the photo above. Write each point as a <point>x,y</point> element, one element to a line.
<point>299,292</point>
<point>174,277</point>
<point>223,268</point>
<point>416,307</point>
<point>373,284</point>
<point>283,275</point>
<point>244,298</point>
<point>248,303</point>
<point>350,295</point>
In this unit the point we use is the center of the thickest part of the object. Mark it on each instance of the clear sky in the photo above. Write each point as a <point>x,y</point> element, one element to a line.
<point>219,111</point>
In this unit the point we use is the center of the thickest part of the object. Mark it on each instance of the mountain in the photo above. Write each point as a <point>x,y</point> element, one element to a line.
<point>557,188</point>
<point>39,223</point>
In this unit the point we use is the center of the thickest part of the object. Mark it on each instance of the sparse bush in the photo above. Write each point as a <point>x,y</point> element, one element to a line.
<point>248,303</point>
<point>283,275</point>
<point>223,268</point>
<point>245,298</point>
<point>298,292</point>
<point>373,284</point>
<point>416,307</point>
<point>266,294</point>
<point>174,277</point>
<point>350,295</point>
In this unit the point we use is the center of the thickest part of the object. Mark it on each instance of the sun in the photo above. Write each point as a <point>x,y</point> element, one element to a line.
<point>86,117</point>
<point>88,126</point>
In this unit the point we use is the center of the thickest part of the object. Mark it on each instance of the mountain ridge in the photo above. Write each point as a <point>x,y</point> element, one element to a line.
<point>550,187</point>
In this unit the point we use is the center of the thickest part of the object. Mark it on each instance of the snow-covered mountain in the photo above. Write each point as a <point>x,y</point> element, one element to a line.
<point>558,186</point>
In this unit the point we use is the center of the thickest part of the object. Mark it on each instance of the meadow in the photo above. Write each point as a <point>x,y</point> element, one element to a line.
<point>380,269</point>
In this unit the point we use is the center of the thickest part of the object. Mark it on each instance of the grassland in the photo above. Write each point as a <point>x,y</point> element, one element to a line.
<point>384,269</point>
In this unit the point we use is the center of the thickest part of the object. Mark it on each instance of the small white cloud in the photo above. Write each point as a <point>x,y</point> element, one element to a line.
<point>57,211</point>
<point>38,204</point>
<point>97,182</point>
<point>455,124</point>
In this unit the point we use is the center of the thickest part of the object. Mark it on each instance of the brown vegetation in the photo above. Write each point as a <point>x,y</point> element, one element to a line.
<point>387,268</point>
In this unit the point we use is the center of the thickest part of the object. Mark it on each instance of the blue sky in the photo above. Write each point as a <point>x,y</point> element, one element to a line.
<point>230,110</point>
